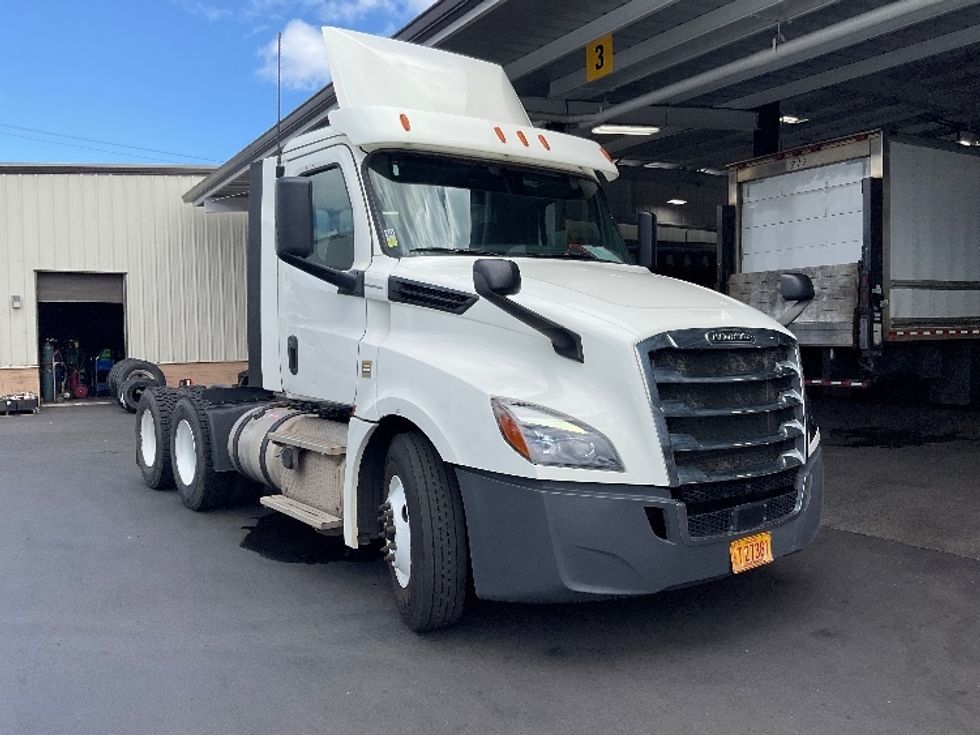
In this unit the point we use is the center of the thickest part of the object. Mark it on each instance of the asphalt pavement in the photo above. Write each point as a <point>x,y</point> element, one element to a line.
<point>123,612</point>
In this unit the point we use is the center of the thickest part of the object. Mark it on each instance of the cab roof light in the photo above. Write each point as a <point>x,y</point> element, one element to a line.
<point>523,138</point>
<point>544,142</point>
<point>967,139</point>
<point>406,123</point>
<point>500,134</point>
<point>607,155</point>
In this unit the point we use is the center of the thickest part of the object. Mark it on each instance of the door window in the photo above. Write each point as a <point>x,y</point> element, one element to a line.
<point>333,221</point>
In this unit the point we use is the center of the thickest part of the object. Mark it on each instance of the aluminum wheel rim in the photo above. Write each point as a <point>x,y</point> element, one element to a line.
<point>185,452</point>
<point>148,439</point>
<point>401,561</point>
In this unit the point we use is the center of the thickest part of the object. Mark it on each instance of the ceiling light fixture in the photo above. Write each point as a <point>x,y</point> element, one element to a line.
<point>968,139</point>
<point>793,119</point>
<point>662,165</point>
<point>677,202</point>
<point>607,129</point>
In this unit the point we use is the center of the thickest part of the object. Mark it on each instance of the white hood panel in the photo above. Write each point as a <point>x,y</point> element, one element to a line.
<point>622,297</point>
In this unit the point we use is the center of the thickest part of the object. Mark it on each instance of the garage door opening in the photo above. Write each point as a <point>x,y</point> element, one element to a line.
<point>81,333</point>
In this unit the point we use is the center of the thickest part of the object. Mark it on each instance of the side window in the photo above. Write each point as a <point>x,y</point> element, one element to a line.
<point>333,223</point>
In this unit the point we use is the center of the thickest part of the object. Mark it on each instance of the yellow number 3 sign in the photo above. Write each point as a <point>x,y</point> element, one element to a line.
<point>599,58</point>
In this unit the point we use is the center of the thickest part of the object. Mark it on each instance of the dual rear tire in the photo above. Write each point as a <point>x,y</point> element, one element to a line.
<point>173,449</point>
<point>200,487</point>
<point>153,416</point>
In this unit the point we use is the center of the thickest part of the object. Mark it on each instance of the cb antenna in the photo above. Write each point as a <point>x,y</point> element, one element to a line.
<point>280,170</point>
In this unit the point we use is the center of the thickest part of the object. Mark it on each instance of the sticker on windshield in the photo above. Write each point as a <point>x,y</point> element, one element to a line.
<point>391,239</point>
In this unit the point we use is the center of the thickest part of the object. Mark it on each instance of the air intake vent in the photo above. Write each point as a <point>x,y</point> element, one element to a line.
<point>732,417</point>
<point>403,291</point>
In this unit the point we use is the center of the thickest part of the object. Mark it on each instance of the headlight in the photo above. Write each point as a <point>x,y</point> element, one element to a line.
<point>546,437</point>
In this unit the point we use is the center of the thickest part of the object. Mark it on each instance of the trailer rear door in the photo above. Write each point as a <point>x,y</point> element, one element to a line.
<point>800,219</point>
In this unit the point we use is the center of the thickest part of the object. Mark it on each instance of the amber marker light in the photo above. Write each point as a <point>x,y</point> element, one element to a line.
<point>406,123</point>
<point>523,138</point>
<point>606,154</point>
<point>500,134</point>
<point>544,142</point>
<point>510,430</point>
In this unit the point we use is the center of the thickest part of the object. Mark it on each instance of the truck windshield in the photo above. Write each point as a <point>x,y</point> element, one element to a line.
<point>434,205</point>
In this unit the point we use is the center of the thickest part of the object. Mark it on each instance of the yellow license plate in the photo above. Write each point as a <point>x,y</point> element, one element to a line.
<point>751,552</point>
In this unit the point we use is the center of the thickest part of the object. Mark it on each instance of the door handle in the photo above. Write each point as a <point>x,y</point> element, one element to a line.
<point>292,354</point>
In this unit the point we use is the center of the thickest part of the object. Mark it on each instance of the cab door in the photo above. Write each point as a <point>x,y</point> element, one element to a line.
<point>320,328</point>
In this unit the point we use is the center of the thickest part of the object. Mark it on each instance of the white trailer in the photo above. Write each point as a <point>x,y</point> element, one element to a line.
<point>450,354</point>
<point>888,229</point>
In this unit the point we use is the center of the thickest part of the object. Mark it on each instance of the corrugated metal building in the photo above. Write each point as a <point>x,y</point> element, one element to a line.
<point>76,236</point>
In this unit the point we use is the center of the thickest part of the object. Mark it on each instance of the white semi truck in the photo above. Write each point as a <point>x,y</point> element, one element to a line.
<point>888,229</point>
<point>452,355</point>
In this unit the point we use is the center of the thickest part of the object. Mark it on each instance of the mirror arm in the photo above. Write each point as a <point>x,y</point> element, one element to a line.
<point>792,312</point>
<point>564,341</point>
<point>348,283</point>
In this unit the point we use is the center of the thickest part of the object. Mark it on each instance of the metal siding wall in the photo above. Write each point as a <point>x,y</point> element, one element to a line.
<point>185,271</point>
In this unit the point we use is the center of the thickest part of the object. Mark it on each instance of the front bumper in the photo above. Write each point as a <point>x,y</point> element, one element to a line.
<point>538,541</point>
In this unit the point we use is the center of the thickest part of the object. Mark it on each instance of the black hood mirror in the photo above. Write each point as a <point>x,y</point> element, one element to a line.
<point>797,290</point>
<point>796,287</point>
<point>500,277</point>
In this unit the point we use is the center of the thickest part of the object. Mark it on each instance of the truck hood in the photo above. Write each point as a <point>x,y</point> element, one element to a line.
<point>626,297</point>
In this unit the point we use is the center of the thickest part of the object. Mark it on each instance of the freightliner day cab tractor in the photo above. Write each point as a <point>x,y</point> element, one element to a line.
<point>452,355</point>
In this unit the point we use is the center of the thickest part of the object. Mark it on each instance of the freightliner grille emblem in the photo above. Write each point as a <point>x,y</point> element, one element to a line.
<point>729,336</point>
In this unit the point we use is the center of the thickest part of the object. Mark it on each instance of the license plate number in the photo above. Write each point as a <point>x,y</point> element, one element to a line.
<point>751,552</point>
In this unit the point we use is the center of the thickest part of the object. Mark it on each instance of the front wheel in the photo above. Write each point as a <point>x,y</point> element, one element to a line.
<point>427,554</point>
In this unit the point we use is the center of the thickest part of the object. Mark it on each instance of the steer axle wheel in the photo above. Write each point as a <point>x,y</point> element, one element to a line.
<point>199,486</point>
<point>426,550</point>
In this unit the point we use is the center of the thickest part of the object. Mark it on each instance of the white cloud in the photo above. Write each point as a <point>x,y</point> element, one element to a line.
<point>349,11</point>
<point>304,57</point>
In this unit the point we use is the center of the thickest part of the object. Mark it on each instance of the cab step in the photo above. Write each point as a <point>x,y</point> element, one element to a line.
<point>313,434</point>
<point>318,519</point>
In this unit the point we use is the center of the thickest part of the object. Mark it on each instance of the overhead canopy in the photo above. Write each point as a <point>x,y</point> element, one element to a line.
<point>701,70</point>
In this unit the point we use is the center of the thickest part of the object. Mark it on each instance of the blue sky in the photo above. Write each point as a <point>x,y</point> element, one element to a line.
<point>190,77</point>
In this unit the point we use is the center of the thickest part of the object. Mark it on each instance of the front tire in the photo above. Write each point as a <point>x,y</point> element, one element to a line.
<point>427,553</point>
<point>199,486</point>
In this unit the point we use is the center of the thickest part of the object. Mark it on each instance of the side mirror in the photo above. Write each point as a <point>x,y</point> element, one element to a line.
<point>498,277</point>
<point>294,216</point>
<point>796,287</point>
<point>646,236</point>
<point>797,290</point>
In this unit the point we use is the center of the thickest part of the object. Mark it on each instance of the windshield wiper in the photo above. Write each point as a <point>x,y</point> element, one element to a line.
<point>565,256</point>
<point>454,251</point>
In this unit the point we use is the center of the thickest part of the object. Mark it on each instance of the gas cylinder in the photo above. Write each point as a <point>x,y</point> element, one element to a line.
<point>47,371</point>
<point>47,384</point>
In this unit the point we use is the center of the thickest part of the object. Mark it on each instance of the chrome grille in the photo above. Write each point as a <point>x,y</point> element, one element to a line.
<point>732,418</point>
